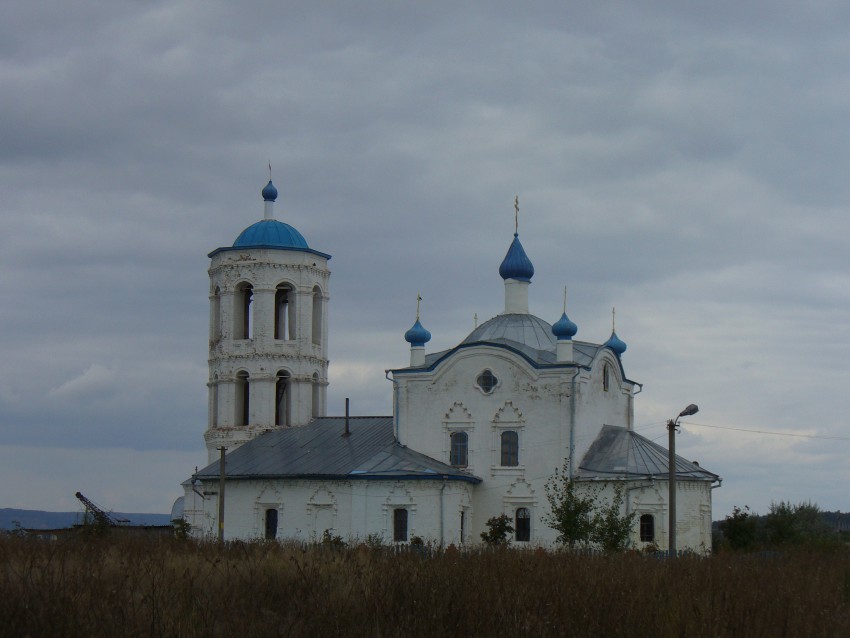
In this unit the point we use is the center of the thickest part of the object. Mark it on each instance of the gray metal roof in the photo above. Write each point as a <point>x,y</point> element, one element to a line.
<point>620,452</point>
<point>320,450</point>
<point>520,328</point>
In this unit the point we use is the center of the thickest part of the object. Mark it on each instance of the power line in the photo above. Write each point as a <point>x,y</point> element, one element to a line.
<point>800,436</point>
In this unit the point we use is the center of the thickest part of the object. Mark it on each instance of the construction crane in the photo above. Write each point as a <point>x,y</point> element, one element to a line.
<point>98,515</point>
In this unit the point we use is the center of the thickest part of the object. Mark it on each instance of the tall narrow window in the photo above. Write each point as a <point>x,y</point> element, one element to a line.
<point>522,525</point>
<point>242,316</point>
<point>510,449</point>
<point>605,378</point>
<point>462,525</point>
<point>459,454</point>
<point>271,524</point>
<point>282,401</point>
<point>317,315</point>
<point>215,317</point>
<point>316,403</point>
<point>400,525</point>
<point>243,398</point>
<point>647,528</point>
<point>214,401</point>
<point>284,312</point>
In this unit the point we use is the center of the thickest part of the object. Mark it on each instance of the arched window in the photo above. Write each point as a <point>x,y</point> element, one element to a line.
<point>522,525</point>
<point>510,449</point>
<point>282,400</point>
<point>316,395</point>
<point>317,315</point>
<point>243,327</point>
<point>284,312</point>
<point>647,528</point>
<point>215,317</point>
<point>400,525</point>
<point>487,381</point>
<point>459,454</point>
<point>271,524</point>
<point>605,378</point>
<point>214,401</point>
<point>243,399</point>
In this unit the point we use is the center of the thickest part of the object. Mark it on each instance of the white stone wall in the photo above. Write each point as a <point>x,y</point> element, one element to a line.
<point>693,511</point>
<point>536,403</point>
<point>354,509</point>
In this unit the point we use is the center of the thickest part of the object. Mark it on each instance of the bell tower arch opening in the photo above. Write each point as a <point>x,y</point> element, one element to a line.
<point>283,396</point>
<point>284,313</point>
<point>243,298</point>
<point>317,315</point>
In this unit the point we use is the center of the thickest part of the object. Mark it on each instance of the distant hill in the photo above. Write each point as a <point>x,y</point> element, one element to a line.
<point>11,518</point>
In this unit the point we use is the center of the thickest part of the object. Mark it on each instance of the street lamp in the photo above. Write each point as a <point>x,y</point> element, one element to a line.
<point>672,424</point>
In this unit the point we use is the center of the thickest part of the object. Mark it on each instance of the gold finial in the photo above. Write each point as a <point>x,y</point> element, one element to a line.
<point>475,319</point>
<point>565,300</point>
<point>516,215</point>
<point>418,301</point>
<point>613,319</point>
<point>270,170</point>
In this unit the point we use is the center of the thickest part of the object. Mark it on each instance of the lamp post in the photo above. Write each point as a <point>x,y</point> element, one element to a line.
<point>672,424</point>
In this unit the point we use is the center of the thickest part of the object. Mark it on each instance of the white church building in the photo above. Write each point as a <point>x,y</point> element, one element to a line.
<point>476,430</point>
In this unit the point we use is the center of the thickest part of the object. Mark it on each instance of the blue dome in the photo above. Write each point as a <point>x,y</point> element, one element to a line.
<point>516,264</point>
<point>269,192</point>
<point>564,329</point>
<point>616,344</point>
<point>417,336</point>
<point>270,233</point>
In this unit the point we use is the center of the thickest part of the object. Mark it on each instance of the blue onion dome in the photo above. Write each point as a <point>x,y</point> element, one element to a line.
<point>269,192</point>
<point>417,336</point>
<point>270,233</point>
<point>564,329</point>
<point>616,344</point>
<point>516,264</point>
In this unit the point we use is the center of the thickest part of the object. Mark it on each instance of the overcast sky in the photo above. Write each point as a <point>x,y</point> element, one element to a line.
<point>685,162</point>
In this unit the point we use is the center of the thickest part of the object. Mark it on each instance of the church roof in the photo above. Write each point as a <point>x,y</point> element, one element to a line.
<point>270,233</point>
<point>519,328</point>
<point>320,450</point>
<point>525,334</point>
<point>619,452</point>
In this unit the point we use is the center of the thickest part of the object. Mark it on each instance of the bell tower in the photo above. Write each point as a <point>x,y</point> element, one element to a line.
<point>268,349</point>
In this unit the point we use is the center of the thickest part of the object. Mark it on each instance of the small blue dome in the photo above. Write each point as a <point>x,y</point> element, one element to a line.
<point>417,336</point>
<point>564,329</point>
<point>516,264</point>
<point>269,192</point>
<point>270,233</point>
<point>616,344</point>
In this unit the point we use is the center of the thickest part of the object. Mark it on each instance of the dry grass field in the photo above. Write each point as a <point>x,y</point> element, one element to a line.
<point>138,587</point>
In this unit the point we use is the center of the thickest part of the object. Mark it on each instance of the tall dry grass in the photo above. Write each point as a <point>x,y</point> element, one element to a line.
<point>138,587</point>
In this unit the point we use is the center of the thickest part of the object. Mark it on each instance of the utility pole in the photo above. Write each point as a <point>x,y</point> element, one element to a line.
<point>671,481</point>
<point>221,495</point>
<point>671,484</point>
